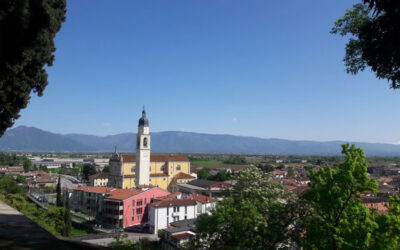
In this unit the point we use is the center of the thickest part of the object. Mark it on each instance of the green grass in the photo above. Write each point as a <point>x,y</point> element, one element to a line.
<point>76,231</point>
<point>206,162</point>
<point>77,218</point>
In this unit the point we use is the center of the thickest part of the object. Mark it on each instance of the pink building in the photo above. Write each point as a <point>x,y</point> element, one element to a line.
<point>129,207</point>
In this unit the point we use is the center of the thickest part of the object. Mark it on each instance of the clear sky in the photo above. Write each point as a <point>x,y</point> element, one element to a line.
<point>269,69</point>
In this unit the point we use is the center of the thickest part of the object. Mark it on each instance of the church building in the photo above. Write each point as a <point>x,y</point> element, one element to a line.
<point>145,169</point>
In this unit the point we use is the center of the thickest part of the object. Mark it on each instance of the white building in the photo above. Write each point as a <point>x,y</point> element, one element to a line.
<point>166,211</point>
<point>162,213</point>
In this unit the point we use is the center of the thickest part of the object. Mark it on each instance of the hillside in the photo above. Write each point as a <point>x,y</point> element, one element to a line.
<point>25,138</point>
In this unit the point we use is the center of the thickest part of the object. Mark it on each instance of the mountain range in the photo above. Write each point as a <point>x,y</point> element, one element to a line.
<point>30,139</point>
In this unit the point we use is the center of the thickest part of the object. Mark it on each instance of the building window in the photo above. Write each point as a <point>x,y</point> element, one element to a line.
<point>178,167</point>
<point>139,203</point>
<point>162,168</point>
<point>185,210</point>
<point>175,218</point>
<point>133,169</point>
<point>163,179</point>
<point>176,209</point>
<point>139,217</point>
<point>185,217</point>
<point>145,201</point>
<point>149,180</point>
<point>138,210</point>
<point>133,203</point>
<point>133,218</point>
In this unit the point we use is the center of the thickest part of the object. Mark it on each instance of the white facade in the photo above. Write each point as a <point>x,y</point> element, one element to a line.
<point>142,170</point>
<point>161,217</point>
<point>203,208</point>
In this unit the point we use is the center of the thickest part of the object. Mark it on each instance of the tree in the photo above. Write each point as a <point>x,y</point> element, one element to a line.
<point>27,164</point>
<point>106,169</point>
<point>88,170</point>
<point>339,219</point>
<point>67,218</point>
<point>291,172</point>
<point>27,31</point>
<point>256,215</point>
<point>121,242</point>
<point>59,202</point>
<point>375,28</point>
<point>203,174</point>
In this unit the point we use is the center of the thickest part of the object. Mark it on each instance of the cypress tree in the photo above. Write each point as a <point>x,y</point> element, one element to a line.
<point>67,218</point>
<point>59,202</point>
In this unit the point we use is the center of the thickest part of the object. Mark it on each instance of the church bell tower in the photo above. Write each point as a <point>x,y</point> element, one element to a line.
<point>142,170</point>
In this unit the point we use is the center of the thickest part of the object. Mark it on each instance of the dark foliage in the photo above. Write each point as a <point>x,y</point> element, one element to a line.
<point>375,25</point>
<point>27,31</point>
<point>59,202</point>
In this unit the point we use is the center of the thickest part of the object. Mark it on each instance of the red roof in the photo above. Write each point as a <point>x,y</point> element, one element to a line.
<point>156,157</point>
<point>167,203</point>
<point>182,236</point>
<point>99,176</point>
<point>46,179</point>
<point>99,190</point>
<point>169,197</point>
<point>122,194</point>
<point>129,176</point>
<point>182,175</point>
<point>201,198</point>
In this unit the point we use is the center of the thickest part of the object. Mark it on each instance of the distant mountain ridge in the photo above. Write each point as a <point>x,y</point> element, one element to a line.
<point>30,139</point>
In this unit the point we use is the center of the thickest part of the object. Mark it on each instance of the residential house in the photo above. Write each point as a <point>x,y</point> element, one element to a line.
<point>98,180</point>
<point>162,213</point>
<point>204,187</point>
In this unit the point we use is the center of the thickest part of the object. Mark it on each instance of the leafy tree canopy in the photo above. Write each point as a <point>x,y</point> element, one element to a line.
<point>256,215</point>
<point>339,220</point>
<point>375,28</point>
<point>27,30</point>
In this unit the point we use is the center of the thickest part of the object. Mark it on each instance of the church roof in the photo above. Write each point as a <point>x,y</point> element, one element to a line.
<point>156,157</point>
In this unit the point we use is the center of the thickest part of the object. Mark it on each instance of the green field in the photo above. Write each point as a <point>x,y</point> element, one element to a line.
<point>206,162</point>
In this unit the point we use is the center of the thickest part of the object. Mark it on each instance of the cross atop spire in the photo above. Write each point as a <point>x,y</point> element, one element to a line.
<point>144,112</point>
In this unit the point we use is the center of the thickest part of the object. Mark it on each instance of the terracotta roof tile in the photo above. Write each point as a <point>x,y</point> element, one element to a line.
<point>172,196</point>
<point>156,157</point>
<point>182,175</point>
<point>122,194</point>
<point>167,203</point>
<point>202,198</point>
<point>129,176</point>
<point>99,176</point>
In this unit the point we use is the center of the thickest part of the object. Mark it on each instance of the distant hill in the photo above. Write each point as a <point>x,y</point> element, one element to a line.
<point>24,138</point>
<point>32,139</point>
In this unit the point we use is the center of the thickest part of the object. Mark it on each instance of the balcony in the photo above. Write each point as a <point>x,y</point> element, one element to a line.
<point>114,216</point>
<point>113,207</point>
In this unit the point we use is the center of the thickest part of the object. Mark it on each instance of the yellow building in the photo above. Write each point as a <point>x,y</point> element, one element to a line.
<point>165,170</point>
<point>162,170</point>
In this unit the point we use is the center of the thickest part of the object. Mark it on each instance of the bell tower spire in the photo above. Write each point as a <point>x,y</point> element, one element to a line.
<point>142,170</point>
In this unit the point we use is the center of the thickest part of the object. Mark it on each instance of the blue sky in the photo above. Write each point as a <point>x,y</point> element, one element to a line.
<point>269,69</point>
